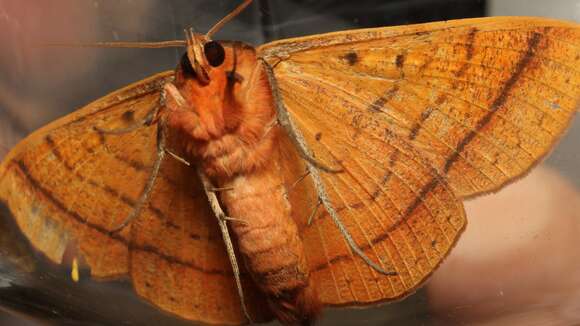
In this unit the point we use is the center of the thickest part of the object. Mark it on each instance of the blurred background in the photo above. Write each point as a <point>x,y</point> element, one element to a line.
<point>39,84</point>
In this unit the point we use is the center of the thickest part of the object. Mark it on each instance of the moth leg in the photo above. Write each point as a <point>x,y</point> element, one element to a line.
<point>314,168</point>
<point>323,197</point>
<point>235,220</point>
<point>313,212</point>
<point>304,175</point>
<point>222,222</point>
<point>177,157</point>
<point>144,198</point>
<point>286,122</point>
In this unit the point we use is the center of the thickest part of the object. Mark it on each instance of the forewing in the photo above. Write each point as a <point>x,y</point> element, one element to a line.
<point>482,99</point>
<point>70,184</point>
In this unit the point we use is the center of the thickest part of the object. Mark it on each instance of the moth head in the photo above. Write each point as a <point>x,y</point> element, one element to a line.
<point>212,79</point>
<point>214,84</point>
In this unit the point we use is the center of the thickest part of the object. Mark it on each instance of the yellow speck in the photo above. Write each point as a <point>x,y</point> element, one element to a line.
<point>74,273</point>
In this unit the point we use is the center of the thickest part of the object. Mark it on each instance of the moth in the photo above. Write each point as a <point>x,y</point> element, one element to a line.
<point>253,183</point>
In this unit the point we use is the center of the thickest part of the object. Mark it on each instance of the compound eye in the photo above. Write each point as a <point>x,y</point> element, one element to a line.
<point>214,53</point>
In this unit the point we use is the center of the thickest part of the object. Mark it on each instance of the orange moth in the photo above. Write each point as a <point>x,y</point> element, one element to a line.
<point>291,176</point>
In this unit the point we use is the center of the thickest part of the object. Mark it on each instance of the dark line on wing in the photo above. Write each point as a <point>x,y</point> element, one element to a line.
<point>470,51</point>
<point>380,102</point>
<point>418,200</point>
<point>387,176</point>
<point>376,107</point>
<point>424,116</point>
<point>21,166</point>
<point>50,196</point>
<point>497,103</point>
<point>395,155</point>
<point>470,41</point>
<point>112,192</point>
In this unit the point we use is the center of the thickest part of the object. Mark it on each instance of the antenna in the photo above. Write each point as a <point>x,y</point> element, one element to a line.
<point>227,18</point>
<point>157,45</point>
<point>141,45</point>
